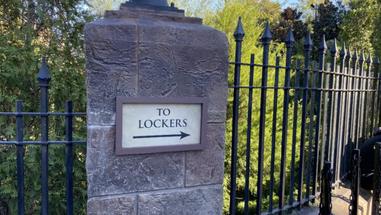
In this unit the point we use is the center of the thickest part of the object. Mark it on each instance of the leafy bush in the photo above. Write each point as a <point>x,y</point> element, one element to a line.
<point>28,31</point>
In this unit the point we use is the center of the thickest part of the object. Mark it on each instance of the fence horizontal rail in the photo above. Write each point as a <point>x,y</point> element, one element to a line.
<point>15,114</point>
<point>310,71</point>
<point>305,88</point>
<point>58,142</point>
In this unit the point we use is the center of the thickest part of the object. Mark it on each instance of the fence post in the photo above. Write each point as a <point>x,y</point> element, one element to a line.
<point>238,34</point>
<point>69,157</point>
<point>358,113</point>
<point>294,130</point>
<point>378,92</point>
<point>266,39</point>
<point>355,183</point>
<point>353,87</point>
<point>289,45</point>
<point>325,207</point>
<point>248,135</point>
<point>20,157</point>
<point>376,207</point>
<point>273,133</point>
<point>367,87</point>
<point>379,99</point>
<point>340,94</point>
<point>44,79</point>
<point>347,106</point>
<point>327,126</point>
<point>320,80</point>
<point>307,56</point>
<point>375,96</point>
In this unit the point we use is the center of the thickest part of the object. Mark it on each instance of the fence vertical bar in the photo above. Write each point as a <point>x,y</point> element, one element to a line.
<point>69,157</point>
<point>286,99</point>
<point>379,99</point>
<point>248,135</point>
<point>358,100</point>
<point>325,202</point>
<point>339,114</point>
<point>315,157</point>
<point>332,107</point>
<point>310,130</point>
<point>377,180</point>
<point>331,101</point>
<point>20,157</point>
<point>352,113</point>
<point>329,142</point>
<point>307,56</point>
<point>320,78</point>
<point>294,130</point>
<point>273,133</point>
<point>378,83</point>
<point>355,187</point>
<point>362,89</point>
<point>238,34</point>
<point>347,97</point>
<point>353,98</point>
<point>266,39</point>
<point>365,131</point>
<point>373,121</point>
<point>325,150</point>
<point>44,78</point>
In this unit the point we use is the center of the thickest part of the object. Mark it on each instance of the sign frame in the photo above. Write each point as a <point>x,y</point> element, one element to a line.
<point>120,101</point>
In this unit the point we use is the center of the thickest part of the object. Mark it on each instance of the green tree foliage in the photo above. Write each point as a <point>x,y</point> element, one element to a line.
<point>28,31</point>
<point>362,24</point>
<point>289,19</point>
<point>376,38</point>
<point>329,17</point>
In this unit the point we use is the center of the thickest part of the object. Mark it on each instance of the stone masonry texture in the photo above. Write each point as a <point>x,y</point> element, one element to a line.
<point>136,53</point>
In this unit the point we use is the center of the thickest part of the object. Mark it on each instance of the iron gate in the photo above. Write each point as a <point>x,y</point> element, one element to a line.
<point>329,107</point>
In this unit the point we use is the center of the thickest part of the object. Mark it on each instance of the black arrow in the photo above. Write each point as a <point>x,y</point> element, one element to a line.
<point>181,135</point>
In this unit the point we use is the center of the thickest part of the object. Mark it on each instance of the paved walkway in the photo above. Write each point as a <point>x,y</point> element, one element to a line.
<point>340,203</point>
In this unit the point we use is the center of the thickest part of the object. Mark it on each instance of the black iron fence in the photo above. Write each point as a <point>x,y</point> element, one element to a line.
<point>329,103</point>
<point>44,142</point>
<point>278,161</point>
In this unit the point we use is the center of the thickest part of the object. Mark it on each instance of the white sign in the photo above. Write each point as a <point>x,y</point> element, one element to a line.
<point>160,124</point>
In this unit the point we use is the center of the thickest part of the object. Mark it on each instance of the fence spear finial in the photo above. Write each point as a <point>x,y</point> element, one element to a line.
<point>334,48</point>
<point>308,42</point>
<point>355,55</point>
<point>349,53</point>
<point>369,59</point>
<point>362,56</point>
<point>323,44</point>
<point>343,51</point>
<point>267,36</point>
<point>43,75</point>
<point>290,39</point>
<point>239,33</point>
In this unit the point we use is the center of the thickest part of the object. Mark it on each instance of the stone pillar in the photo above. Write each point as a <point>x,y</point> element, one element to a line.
<point>142,52</point>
